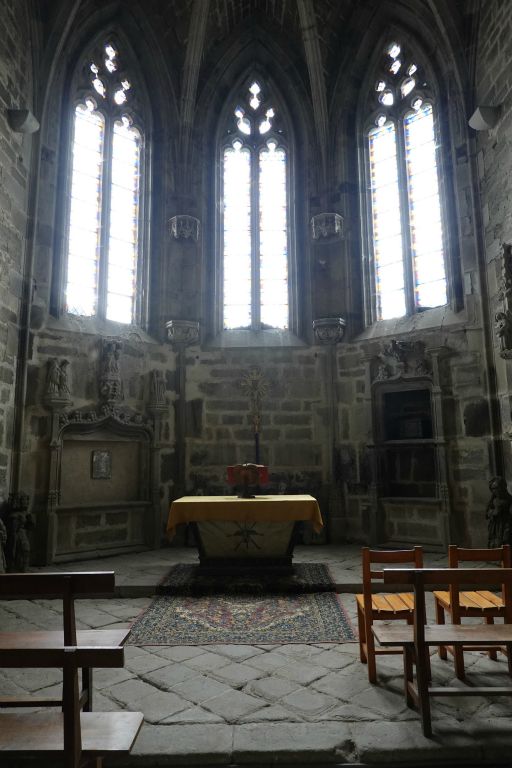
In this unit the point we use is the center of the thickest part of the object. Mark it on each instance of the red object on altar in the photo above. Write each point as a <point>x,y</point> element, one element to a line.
<point>245,475</point>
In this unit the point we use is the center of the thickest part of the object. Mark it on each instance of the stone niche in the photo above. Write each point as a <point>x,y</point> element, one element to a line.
<point>101,500</point>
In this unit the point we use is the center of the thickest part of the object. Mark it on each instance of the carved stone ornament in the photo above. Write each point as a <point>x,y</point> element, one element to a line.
<point>327,227</point>
<point>57,388</point>
<point>184,227</point>
<point>185,332</point>
<point>125,416</point>
<point>503,315</point>
<point>157,400</point>
<point>111,384</point>
<point>401,359</point>
<point>329,330</point>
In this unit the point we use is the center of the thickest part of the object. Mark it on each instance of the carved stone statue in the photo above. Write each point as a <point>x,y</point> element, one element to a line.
<point>18,544</point>
<point>498,513</point>
<point>57,387</point>
<point>111,385</point>
<point>53,378</point>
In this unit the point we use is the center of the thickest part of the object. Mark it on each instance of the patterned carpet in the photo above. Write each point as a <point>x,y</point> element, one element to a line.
<point>317,617</point>
<point>184,579</point>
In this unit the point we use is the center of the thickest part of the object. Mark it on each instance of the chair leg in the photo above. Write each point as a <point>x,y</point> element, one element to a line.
<point>362,634</point>
<point>508,650</point>
<point>458,658</point>
<point>408,674</point>
<point>423,694</point>
<point>493,653</point>
<point>370,650</point>
<point>440,620</point>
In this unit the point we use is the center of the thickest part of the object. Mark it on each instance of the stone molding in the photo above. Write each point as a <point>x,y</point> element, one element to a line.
<point>329,330</point>
<point>184,227</point>
<point>503,314</point>
<point>327,227</point>
<point>183,332</point>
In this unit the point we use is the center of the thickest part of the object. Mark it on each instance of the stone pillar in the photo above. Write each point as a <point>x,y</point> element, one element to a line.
<point>329,331</point>
<point>181,334</point>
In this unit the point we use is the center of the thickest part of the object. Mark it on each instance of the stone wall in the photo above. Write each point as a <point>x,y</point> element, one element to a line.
<point>493,87</point>
<point>318,417</point>
<point>15,159</point>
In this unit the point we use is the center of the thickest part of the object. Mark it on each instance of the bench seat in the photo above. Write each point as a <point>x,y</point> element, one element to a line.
<point>445,634</point>
<point>102,733</point>
<point>54,638</point>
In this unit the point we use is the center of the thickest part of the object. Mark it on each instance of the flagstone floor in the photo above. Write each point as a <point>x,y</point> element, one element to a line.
<point>261,705</point>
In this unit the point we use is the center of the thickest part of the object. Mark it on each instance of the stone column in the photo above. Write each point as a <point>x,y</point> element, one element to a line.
<point>181,334</point>
<point>329,331</point>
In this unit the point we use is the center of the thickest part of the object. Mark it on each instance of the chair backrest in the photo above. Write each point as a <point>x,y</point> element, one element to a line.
<point>433,577</point>
<point>66,586</point>
<point>458,555</point>
<point>381,557</point>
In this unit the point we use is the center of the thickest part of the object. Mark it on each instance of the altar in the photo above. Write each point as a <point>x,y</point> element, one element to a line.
<point>232,531</point>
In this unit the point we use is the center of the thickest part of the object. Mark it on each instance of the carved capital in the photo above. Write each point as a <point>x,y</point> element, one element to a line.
<point>326,227</point>
<point>184,332</point>
<point>329,330</point>
<point>184,227</point>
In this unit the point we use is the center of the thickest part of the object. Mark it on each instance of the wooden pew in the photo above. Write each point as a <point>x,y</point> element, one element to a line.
<point>417,639</point>
<point>78,738</point>
<point>66,587</point>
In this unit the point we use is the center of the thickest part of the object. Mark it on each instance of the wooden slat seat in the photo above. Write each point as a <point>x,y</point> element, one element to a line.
<point>378,607</point>
<point>417,639</point>
<point>481,604</point>
<point>102,733</point>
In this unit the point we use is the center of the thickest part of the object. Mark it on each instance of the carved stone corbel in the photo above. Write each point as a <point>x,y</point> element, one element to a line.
<point>184,227</point>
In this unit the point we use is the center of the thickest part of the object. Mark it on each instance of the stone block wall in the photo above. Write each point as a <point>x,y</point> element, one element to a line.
<point>15,159</point>
<point>493,87</point>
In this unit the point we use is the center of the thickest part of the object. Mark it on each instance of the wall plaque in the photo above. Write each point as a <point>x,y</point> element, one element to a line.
<point>101,465</point>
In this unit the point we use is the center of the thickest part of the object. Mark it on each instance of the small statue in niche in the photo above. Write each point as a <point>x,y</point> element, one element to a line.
<point>503,326</point>
<point>498,513</point>
<point>18,544</point>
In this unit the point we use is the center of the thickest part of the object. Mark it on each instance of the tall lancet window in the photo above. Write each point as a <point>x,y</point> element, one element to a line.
<point>255,213</point>
<point>103,233</point>
<point>406,222</point>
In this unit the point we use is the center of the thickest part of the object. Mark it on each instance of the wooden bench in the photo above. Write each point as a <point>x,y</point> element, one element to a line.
<point>77,738</point>
<point>417,639</point>
<point>66,587</point>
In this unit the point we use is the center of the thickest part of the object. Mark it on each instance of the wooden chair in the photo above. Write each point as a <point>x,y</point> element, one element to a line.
<point>417,640</point>
<point>382,607</point>
<point>78,739</point>
<point>66,587</point>
<point>476,604</point>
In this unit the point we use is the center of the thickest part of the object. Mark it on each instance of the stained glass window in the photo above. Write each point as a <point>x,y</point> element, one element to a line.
<point>406,219</point>
<point>103,231</point>
<point>255,218</point>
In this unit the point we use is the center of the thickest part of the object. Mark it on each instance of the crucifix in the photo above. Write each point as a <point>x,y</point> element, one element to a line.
<point>255,386</point>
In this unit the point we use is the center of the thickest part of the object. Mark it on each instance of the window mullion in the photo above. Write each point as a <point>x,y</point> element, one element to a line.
<point>403,186</point>
<point>255,242</point>
<point>106,190</point>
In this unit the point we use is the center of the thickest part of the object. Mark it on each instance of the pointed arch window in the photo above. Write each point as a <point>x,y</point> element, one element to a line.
<point>255,215</point>
<point>406,226</point>
<point>103,234</point>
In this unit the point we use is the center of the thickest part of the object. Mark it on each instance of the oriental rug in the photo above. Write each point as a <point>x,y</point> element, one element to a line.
<point>185,579</point>
<point>317,617</point>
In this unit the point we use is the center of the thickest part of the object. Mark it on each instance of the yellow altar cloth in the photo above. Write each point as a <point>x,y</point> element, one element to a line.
<point>261,509</point>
